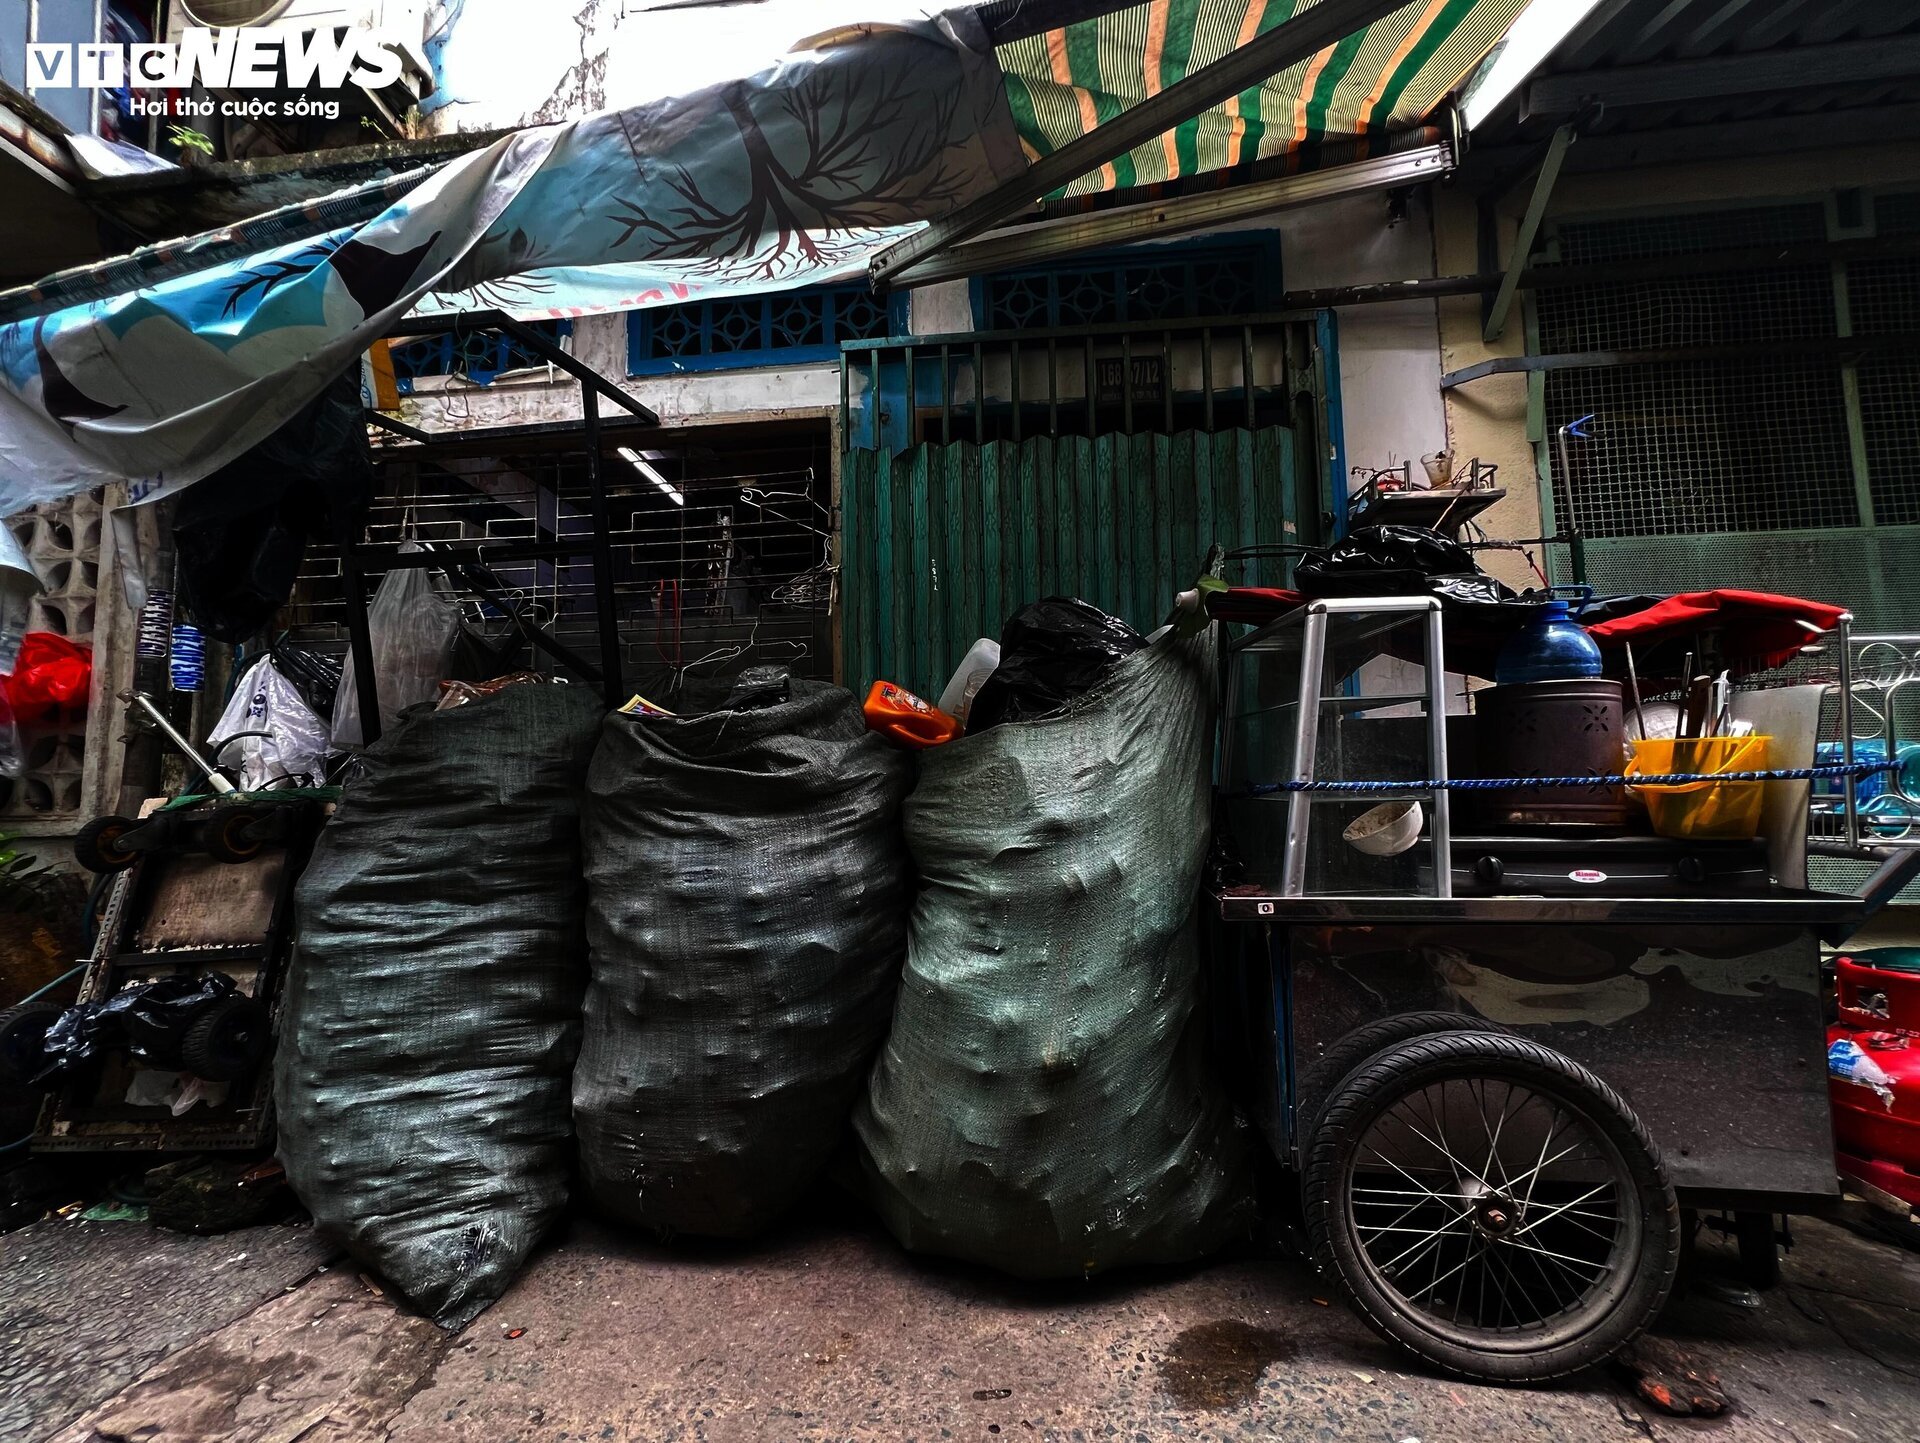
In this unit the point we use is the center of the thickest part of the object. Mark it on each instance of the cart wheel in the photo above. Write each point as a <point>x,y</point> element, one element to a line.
<point>224,835</point>
<point>1759,1245</point>
<point>1357,1046</point>
<point>23,1031</point>
<point>227,1041</point>
<point>1492,1207</point>
<point>101,845</point>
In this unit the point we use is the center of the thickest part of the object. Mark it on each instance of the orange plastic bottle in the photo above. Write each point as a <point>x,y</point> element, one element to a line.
<point>900,716</point>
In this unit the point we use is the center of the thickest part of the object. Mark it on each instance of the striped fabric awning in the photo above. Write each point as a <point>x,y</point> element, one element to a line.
<point>1354,95</point>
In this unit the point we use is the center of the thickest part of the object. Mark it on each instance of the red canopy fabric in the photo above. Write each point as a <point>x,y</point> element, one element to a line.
<point>1255,605</point>
<point>1755,629</point>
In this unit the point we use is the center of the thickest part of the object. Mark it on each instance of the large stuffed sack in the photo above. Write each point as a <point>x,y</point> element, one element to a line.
<point>1043,1104</point>
<point>432,1012</point>
<point>748,894</point>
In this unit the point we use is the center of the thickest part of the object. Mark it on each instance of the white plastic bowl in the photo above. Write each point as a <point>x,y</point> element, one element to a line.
<point>1387,830</point>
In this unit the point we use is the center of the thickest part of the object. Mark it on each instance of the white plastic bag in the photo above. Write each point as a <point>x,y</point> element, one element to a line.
<point>295,745</point>
<point>414,629</point>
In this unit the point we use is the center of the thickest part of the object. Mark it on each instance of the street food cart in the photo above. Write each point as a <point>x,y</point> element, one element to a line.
<point>1511,1052</point>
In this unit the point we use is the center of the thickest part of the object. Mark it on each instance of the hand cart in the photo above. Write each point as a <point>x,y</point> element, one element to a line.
<point>1500,1066</point>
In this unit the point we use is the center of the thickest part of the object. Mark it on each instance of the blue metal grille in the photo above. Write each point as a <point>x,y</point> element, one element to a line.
<point>476,356</point>
<point>806,325</point>
<point>1134,286</point>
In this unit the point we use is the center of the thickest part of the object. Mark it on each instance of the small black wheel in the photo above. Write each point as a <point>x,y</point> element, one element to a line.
<point>23,1033</point>
<point>228,1040</point>
<point>101,845</point>
<point>225,835</point>
<point>1492,1207</point>
<point>1759,1245</point>
<point>1357,1046</point>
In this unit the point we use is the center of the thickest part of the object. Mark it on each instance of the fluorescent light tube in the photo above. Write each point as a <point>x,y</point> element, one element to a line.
<point>646,468</point>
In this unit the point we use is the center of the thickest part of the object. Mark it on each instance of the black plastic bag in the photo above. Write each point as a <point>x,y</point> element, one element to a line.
<point>242,532</point>
<point>432,1008</point>
<point>1052,653</point>
<point>747,907</point>
<point>147,1019</point>
<point>1397,561</point>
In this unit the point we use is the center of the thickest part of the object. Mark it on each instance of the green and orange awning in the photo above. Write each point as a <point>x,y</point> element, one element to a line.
<point>1349,99</point>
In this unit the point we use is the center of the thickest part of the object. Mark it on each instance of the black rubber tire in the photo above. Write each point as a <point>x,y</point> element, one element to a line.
<point>1363,1042</point>
<point>99,846</point>
<point>1382,1081</point>
<point>228,1040</point>
<point>223,834</point>
<point>1758,1240</point>
<point>22,1030</point>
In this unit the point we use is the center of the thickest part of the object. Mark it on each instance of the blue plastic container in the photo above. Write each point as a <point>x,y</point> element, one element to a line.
<point>1551,647</point>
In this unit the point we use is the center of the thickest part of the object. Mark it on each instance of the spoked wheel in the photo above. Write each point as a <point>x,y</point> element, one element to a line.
<point>1491,1206</point>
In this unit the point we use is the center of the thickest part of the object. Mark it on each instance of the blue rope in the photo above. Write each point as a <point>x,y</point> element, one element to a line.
<point>1507,784</point>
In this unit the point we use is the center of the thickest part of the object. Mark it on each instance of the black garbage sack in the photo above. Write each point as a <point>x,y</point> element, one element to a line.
<point>149,1021</point>
<point>242,533</point>
<point>1397,561</point>
<point>1052,652</point>
<point>1043,1104</point>
<point>432,1010</point>
<point>748,895</point>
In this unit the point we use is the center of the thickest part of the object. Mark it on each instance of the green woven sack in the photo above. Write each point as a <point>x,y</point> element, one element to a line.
<point>1043,1104</point>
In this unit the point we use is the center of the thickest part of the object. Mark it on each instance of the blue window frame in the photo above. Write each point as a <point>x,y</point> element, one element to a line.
<point>730,332</point>
<point>476,356</point>
<point>1137,285</point>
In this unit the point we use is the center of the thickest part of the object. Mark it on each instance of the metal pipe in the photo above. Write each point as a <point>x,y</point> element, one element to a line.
<point>366,685</point>
<point>1293,40</point>
<point>217,783</point>
<point>1306,741</point>
<point>1848,784</point>
<point>1442,838</point>
<point>608,618</point>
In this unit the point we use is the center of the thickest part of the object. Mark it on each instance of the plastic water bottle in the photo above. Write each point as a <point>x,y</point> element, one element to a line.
<point>189,661</point>
<point>1551,647</point>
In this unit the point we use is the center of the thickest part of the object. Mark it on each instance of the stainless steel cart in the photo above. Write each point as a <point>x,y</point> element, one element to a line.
<point>1498,1105</point>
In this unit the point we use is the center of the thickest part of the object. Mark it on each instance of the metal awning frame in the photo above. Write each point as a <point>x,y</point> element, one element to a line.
<point>1161,220</point>
<point>1305,35</point>
<point>470,559</point>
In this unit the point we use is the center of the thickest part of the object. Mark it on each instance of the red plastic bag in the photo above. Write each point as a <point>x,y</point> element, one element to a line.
<point>50,680</point>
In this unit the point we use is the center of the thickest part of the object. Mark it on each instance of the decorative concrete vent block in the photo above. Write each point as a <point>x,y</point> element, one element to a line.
<point>63,542</point>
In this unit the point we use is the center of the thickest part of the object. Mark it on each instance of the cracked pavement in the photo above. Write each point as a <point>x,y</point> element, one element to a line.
<point>828,1331</point>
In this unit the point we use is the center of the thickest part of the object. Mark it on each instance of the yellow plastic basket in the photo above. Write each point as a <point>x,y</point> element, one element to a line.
<point>1724,811</point>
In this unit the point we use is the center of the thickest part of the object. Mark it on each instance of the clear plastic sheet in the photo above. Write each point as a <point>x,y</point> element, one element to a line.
<point>414,629</point>
<point>293,749</point>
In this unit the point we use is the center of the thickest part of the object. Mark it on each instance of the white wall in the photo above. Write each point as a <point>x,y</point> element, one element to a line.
<point>601,341</point>
<point>1389,353</point>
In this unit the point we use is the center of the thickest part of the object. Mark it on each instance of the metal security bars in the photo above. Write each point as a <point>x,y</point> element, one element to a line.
<point>1206,374</point>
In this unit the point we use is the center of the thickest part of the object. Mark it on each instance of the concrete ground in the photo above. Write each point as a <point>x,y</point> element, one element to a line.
<point>828,1331</point>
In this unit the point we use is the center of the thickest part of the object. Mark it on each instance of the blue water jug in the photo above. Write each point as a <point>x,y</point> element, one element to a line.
<point>1551,647</point>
